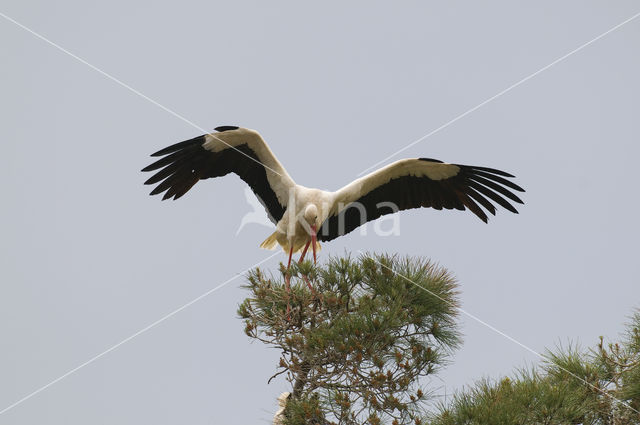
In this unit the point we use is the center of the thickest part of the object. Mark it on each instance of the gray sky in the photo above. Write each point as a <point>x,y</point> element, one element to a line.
<point>87,258</point>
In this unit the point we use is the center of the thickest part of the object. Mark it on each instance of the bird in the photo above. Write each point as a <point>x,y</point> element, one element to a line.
<point>304,216</point>
<point>278,418</point>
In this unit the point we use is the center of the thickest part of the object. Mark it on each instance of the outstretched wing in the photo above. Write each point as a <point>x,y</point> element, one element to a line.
<point>415,183</point>
<point>231,150</point>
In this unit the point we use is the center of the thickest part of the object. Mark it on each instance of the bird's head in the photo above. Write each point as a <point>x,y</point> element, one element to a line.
<point>311,215</point>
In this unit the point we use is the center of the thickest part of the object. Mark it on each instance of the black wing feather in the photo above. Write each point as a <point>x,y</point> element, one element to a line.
<point>486,204</point>
<point>473,188</point>
<point>497,179</point>
<point>178,146</point>
<point>185,163</point>
<point>496,187</point>
<point>492,195</point>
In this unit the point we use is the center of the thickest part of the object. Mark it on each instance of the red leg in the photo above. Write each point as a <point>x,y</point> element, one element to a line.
<point>287,278</point>
<point>287,281</point>
<point>313,244</point>
<point>304,252</point>
<point>313,291</point>
<point>290,255</point>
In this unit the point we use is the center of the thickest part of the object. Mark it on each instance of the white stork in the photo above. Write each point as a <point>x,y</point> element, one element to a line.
<point>302,215</point>
<point>283,399</point>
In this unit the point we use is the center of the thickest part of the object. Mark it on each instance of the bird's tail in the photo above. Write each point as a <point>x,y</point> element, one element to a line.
<point>271,242</point>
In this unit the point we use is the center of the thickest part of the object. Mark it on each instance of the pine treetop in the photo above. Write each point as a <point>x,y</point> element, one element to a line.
<point>355,344</point>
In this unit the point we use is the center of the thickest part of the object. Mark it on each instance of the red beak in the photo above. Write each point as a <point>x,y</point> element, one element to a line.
<point>313,242</point>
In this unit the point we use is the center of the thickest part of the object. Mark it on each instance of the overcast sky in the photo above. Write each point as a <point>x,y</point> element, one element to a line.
<point>88,259</point>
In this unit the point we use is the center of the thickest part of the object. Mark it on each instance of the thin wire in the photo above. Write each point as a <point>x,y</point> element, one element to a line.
<point>508,89</point>
<point>170,111</point>
<point>498,331</point>
<point>131,89</point>
<point>129,338</point>
<point>175,114</point>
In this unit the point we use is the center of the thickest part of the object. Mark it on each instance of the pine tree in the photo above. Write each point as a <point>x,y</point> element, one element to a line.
<point>598,386</point>
<point>355,335</point>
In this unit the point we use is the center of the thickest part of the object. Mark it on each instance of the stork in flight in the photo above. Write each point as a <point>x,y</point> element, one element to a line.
<point>303,215</point>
